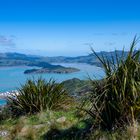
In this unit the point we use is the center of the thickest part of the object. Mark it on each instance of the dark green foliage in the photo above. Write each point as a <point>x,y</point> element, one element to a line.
<point>73,133</point>
<point>38,95</point>
<point>77,87</point>
<point>4,113</point>
<point>116,100</point>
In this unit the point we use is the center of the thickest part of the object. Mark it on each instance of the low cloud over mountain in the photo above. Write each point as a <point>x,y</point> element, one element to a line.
<point>7,41</point>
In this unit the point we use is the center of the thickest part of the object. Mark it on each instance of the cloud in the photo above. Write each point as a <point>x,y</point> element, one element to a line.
<point>110,34</point>
<point>90,44</point>
<point>115,34</point>
<point>109,43</point>
<point>98,34</point>
<point>120,34</point>
<point>7,41</point>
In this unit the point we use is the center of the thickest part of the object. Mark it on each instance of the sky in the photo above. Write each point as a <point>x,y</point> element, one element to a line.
<point>67,27</point>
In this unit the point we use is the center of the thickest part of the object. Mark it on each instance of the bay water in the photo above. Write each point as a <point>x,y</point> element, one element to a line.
<point>12,77</point>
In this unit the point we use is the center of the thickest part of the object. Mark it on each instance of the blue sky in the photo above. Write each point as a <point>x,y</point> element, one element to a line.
<point>67,27</point>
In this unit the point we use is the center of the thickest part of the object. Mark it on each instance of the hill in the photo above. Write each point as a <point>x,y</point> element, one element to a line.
<point>17,59</point>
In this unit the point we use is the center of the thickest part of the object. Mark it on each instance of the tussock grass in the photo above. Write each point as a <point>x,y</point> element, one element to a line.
<point>38,95</point>
<point>115,101</point>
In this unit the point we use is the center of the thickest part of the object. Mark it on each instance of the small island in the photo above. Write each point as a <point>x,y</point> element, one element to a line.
<point>49,68</point>
<point>46,70</point>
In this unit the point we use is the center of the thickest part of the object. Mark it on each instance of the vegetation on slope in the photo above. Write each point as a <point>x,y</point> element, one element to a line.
<point>77,87</point>
<point>38,95</point>
<point>110,111</point>
<point>115,102</point>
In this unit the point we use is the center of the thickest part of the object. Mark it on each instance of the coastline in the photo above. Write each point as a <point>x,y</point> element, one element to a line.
<point>4,95</point>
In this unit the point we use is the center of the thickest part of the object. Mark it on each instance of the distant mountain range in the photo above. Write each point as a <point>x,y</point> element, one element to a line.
<point>17,59</point>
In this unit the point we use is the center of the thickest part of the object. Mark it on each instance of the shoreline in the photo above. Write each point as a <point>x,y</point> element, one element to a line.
<point>4,95</point>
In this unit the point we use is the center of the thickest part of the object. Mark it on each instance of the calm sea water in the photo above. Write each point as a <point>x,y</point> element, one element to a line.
<point>12,77</point>
<point>2,101</point>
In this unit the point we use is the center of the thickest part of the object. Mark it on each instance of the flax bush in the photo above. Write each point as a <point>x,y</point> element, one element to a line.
<point>115,101</point>
<point>38,95</point>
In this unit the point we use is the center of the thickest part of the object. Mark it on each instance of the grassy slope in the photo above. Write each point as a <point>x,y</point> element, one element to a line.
<point>45,125</point>
<point>75,126</point>
<point>65,125</point>
<point>37,126</point>
<point>77,87</point>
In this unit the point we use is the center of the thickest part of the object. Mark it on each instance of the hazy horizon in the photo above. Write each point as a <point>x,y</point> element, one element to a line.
<point>60,28</point>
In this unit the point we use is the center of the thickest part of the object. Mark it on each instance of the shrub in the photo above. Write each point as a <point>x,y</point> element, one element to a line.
<point>4,113</point>
<point>116,100</point>
<point>37,95</point>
